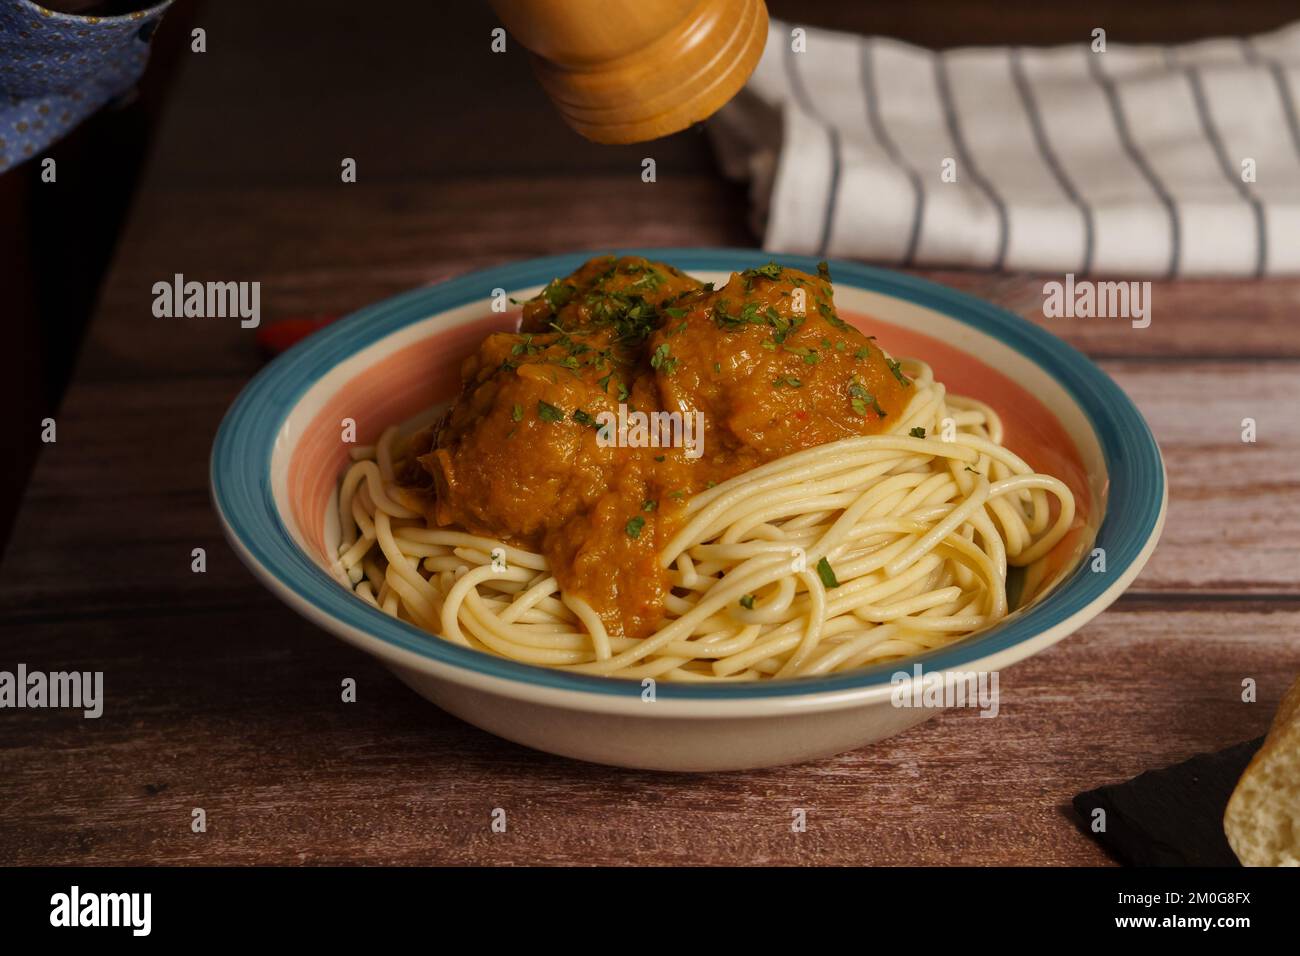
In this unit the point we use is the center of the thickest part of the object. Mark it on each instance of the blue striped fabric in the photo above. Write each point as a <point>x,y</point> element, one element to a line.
<point>1132,160</point>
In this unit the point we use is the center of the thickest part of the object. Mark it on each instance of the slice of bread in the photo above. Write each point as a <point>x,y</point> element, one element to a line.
<point>1262,821</point>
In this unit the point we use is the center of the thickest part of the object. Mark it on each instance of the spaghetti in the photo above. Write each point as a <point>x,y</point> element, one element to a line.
<point>842,555</point>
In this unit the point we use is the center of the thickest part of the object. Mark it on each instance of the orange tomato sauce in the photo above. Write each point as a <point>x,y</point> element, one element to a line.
<point>764,362</point>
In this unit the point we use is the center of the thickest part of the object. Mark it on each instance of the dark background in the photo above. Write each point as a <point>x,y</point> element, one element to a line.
<point>397,88</point>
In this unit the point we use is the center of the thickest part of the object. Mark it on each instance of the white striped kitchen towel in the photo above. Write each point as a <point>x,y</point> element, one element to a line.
<point>1140,160</point>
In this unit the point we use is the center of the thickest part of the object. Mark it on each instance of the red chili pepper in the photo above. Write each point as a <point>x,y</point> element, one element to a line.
<point>275,337</point>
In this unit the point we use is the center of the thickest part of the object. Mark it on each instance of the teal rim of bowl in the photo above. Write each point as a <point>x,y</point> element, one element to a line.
<point>241,469</point>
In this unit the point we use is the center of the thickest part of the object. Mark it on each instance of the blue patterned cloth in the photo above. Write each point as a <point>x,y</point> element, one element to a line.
<point>58,68</point>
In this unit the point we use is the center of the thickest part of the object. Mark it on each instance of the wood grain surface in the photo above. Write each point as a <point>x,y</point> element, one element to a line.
<point>221,698</point>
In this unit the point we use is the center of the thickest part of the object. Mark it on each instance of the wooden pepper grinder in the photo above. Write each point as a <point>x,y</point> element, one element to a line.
<point>622,71</point>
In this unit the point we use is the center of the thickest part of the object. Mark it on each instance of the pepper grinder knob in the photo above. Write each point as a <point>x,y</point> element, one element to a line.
<point>623,71</point>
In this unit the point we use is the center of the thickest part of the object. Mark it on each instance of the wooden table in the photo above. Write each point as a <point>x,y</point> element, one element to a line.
<point>219,697</point>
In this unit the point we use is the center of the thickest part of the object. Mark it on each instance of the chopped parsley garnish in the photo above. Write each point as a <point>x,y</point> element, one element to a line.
<point>526,347</point>
<point>516,414</point>
<point>583,417</point>
<point>649,504</point>
<point>769,271</point>
<point>751,314</point>
<point>897,369</point>
<point>829,315</point>
<point>630,315</point>
<point>548,412</point>
<point>663,359</point>
<point>747,602</point>
<point>827,574</point>
<point>860,399</point>
<point>558,293</point>
<point>787,381</point>
<point>917,432</point>
<point>634,527</point>
<point>650,280</point>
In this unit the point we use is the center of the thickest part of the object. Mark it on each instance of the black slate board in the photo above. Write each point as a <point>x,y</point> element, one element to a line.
<point>1170,817</point>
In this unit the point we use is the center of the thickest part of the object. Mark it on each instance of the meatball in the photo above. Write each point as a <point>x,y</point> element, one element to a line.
<point>624,294</point>
<point>773,368</point>
<point>518,454</point>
